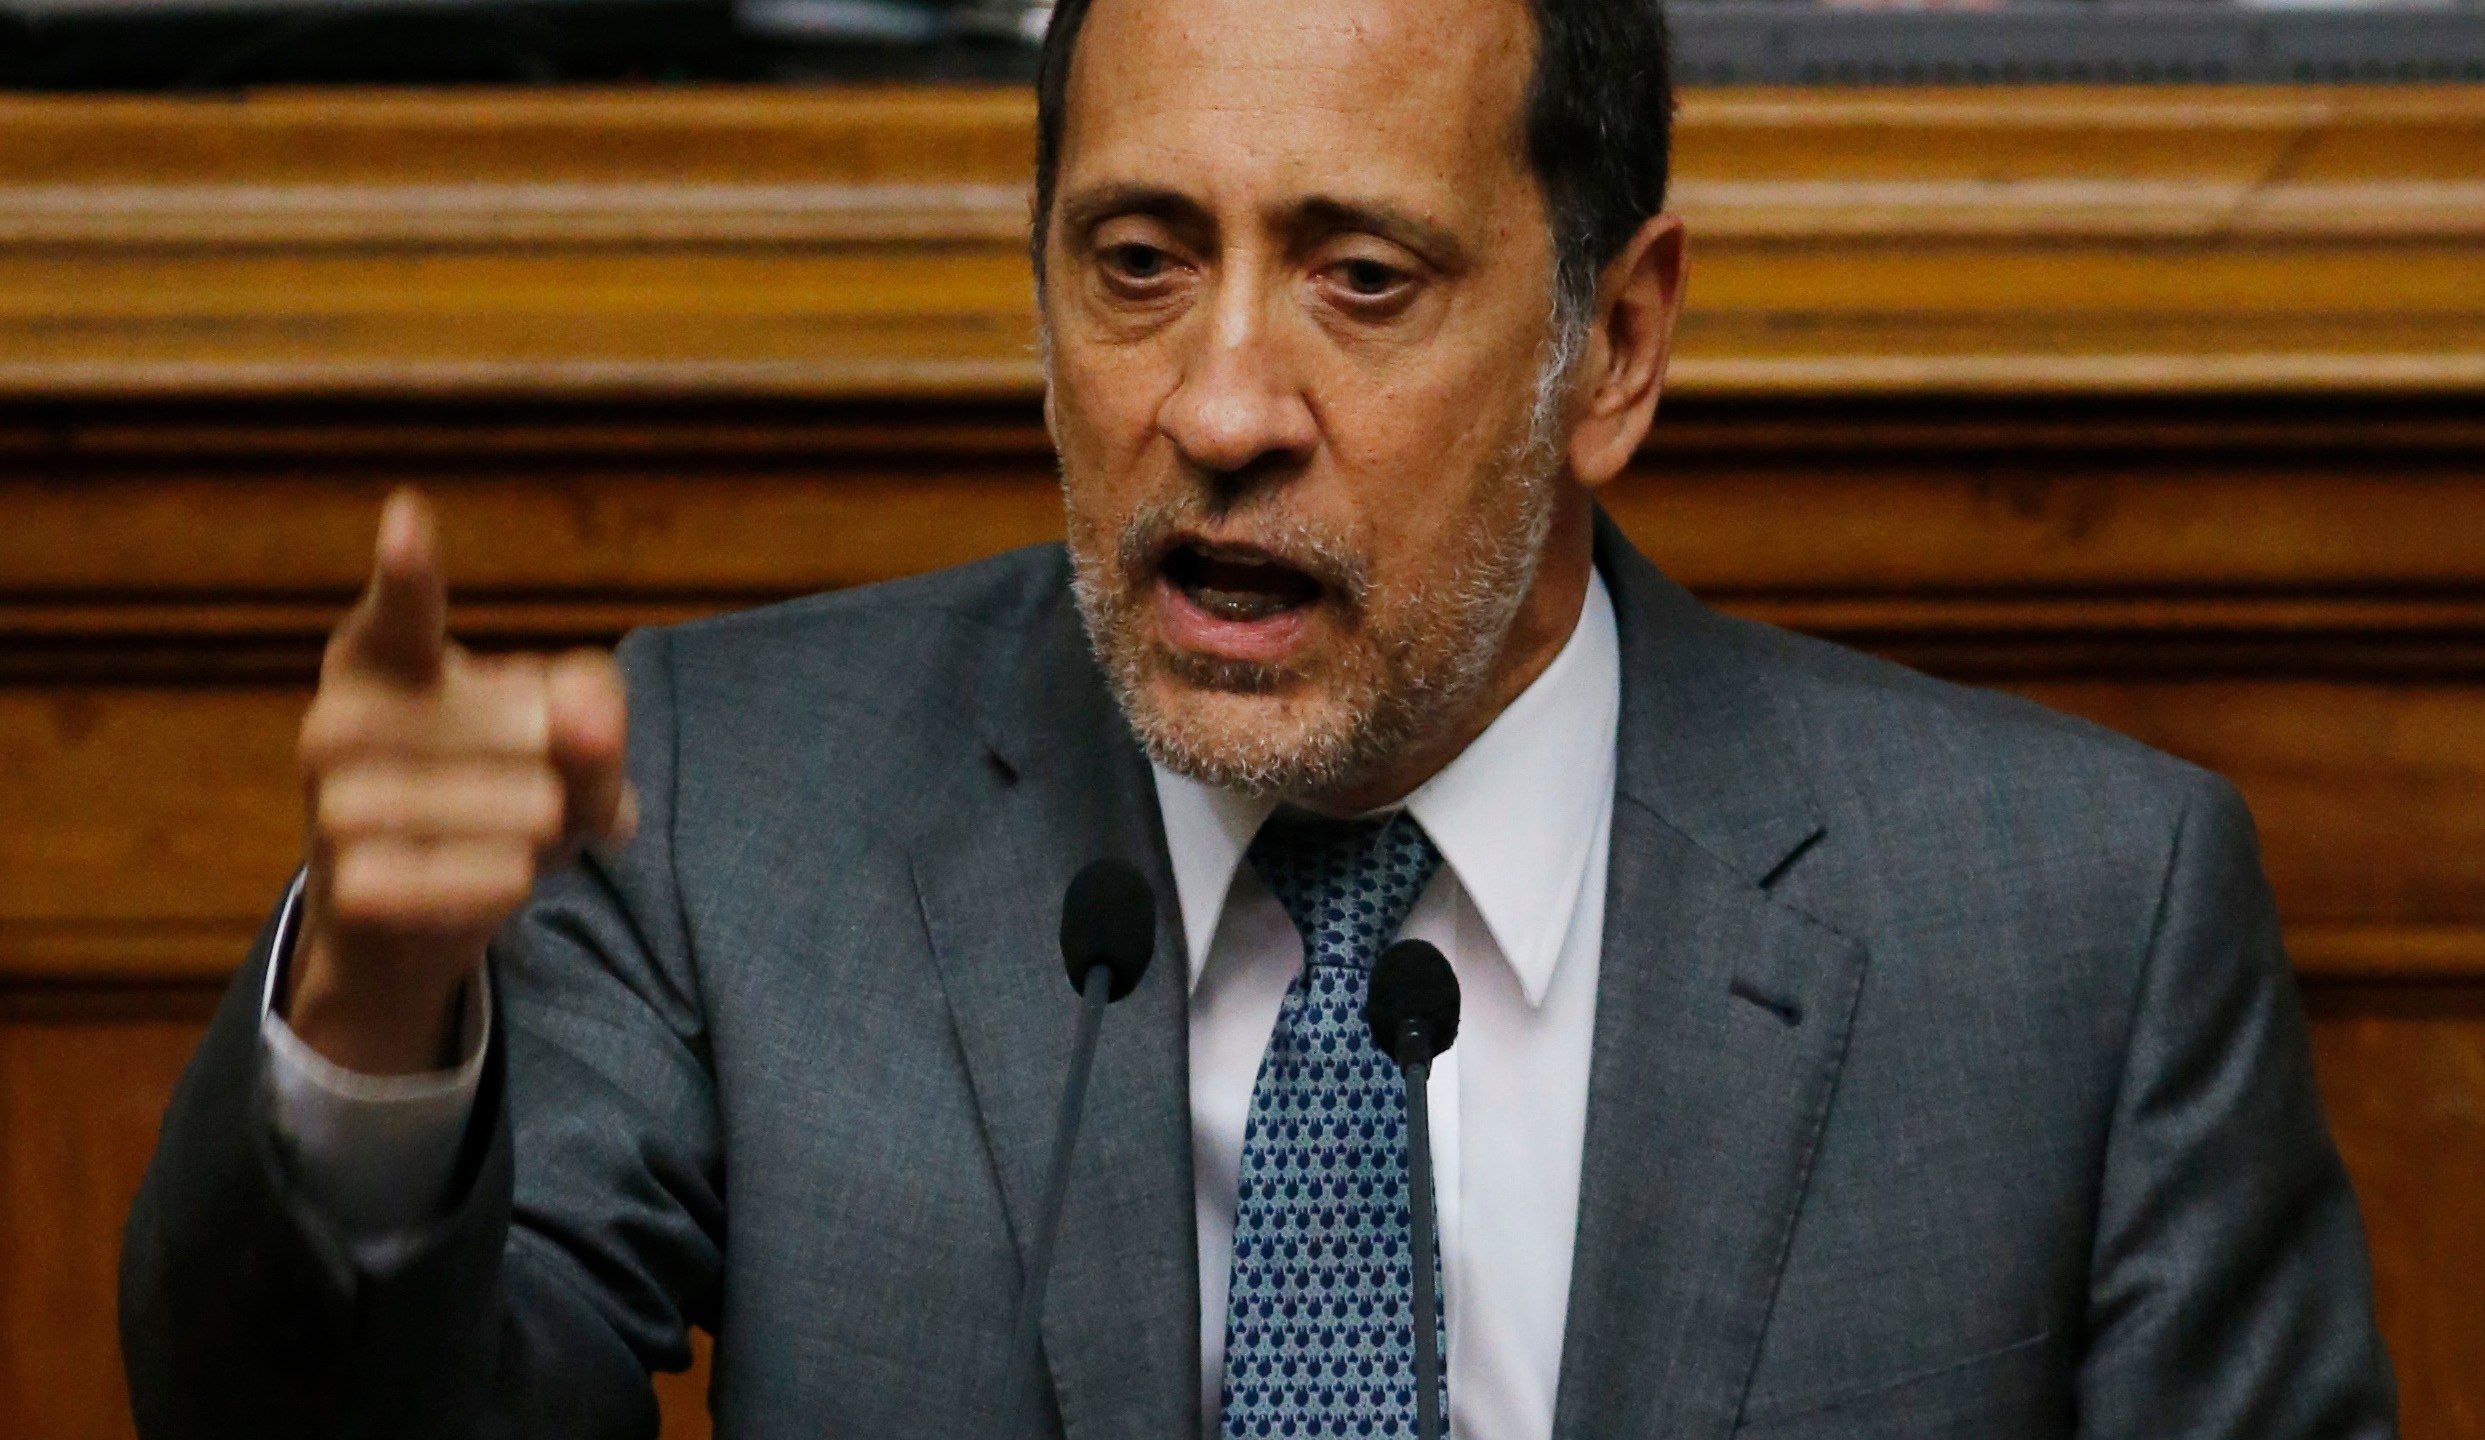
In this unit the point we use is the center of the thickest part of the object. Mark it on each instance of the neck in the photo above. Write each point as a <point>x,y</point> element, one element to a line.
<point>1544,625</point>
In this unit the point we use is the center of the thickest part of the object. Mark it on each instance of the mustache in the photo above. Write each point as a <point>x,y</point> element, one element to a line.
<point>1165,523</point>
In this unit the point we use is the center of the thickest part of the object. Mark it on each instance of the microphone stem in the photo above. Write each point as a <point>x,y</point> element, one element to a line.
<point>1419,1206</point>
<point>1095,992</point>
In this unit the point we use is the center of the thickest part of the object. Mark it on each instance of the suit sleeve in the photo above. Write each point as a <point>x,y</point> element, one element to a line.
<point>2230,1292</point>
<point>584,1233</point>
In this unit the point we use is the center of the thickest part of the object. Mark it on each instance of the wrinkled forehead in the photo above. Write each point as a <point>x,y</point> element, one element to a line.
<point>1245,102</point>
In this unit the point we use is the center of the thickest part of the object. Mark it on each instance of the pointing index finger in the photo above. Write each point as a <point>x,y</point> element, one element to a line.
<point>401,624</point>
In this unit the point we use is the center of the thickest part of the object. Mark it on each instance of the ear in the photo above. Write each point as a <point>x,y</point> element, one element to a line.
<point>1638,299</point>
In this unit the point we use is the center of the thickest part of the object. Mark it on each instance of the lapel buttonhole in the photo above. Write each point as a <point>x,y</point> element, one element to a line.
<point>1789,1012</point>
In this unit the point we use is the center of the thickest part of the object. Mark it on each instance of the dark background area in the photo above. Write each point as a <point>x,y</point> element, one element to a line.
<point>203,45</point>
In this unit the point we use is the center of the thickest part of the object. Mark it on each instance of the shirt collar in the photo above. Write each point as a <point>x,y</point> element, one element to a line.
<point>1515,814</point>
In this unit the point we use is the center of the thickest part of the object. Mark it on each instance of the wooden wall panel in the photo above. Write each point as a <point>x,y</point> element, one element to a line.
<point>2403,1073</point>
<point>80,1099</point>
<point>79,1104</point>
<point>835,243</point>
<point>650,529</point>
<point>140,819</point>
<point>2164,407</point>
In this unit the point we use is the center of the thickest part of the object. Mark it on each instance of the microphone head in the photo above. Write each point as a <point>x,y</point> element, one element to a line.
<point>1108,918</point>
<point>1412,981</point>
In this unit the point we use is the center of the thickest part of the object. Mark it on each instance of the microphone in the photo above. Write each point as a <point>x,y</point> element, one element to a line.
<point>1413,1012</point>
<point>1108,934</point>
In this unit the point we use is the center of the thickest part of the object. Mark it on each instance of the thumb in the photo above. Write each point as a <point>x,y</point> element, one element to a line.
<point>400,626</point>
<point>590,732</point>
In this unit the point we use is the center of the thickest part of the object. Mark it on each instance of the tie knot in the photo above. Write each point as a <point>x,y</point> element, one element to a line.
<point>1347,884</point>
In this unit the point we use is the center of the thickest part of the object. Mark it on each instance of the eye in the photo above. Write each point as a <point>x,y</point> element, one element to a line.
<point>1370,286</point>
<point>1369,278</point>
<point>1133,261</point>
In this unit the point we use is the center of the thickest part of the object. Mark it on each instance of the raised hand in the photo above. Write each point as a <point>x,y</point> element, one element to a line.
<point>438,784</point>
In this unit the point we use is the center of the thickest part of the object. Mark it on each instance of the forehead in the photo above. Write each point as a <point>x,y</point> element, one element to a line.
<point>1423,98</point>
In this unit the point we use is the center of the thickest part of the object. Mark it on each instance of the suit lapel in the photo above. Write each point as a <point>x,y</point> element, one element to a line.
<point>1721,1020</point>
<point>1060,783</point>
<point>1721,1023</point>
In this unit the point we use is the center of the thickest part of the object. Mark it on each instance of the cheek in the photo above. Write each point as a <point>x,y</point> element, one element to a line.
<point>1417,456</point>
<point>1105,401</point>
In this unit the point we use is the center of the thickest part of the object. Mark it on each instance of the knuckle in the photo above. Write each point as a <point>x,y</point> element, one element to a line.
<point>334,808</point>
<point>317,743</point>
<point>488,719</point>
<point>545,827</point>
<point>359,892</point>
<point>358,800</point>
<point>341,724</point>
<point>544,803</point>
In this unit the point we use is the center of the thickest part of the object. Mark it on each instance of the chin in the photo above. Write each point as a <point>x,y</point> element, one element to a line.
<point>1257,740</point>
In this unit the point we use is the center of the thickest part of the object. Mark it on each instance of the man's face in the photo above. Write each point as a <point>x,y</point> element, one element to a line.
<point>1298,290</point>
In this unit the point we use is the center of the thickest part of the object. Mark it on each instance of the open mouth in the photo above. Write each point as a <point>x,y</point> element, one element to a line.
<point>1237,584</point>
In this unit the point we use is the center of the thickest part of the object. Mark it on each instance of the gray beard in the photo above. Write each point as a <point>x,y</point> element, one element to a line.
<point>1427,661</point>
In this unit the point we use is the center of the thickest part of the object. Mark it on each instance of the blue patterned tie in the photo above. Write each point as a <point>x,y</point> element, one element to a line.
<point>1317,1335</point>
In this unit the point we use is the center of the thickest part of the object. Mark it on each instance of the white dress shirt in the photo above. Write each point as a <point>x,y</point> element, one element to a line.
<point>1522,819</point>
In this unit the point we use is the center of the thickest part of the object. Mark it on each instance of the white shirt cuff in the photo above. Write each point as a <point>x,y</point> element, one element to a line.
<point>377,1154</point>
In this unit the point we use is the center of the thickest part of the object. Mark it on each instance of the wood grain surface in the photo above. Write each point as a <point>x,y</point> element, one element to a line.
<point>840,242</point>
<point>2164,407</point>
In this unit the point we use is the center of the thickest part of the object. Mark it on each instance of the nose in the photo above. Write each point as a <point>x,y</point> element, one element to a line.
<point>1239,413</point>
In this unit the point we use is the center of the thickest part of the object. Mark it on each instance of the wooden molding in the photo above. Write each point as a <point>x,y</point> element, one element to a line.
<point>2403,953</point>
<point>826,244</point>
<point>1988,540</point>
<point>180,216</point>
<point>177,215</point>
<point>117,953</point>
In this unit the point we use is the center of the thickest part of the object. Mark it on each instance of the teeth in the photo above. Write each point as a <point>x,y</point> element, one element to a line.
<point>1224,556</point>
<point>1240,604</point>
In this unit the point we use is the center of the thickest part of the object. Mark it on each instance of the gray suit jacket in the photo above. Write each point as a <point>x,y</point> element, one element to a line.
<point>1949,1079</point>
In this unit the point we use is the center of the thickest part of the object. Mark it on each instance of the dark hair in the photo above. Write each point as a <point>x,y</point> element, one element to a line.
<point>1600,120</point>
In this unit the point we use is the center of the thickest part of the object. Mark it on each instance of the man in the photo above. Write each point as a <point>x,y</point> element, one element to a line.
<point>1846,1054</point>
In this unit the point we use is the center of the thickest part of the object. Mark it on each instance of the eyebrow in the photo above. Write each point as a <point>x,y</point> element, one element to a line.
<point>1084,211</point>
<point>1307,216</point>
<point>1437,243</point>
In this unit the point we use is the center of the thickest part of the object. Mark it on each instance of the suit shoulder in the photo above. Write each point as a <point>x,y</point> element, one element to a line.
<point>1009,591</point>
<point>1914,759</point>
<point>851,659</point>
<point>1962,826</point>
